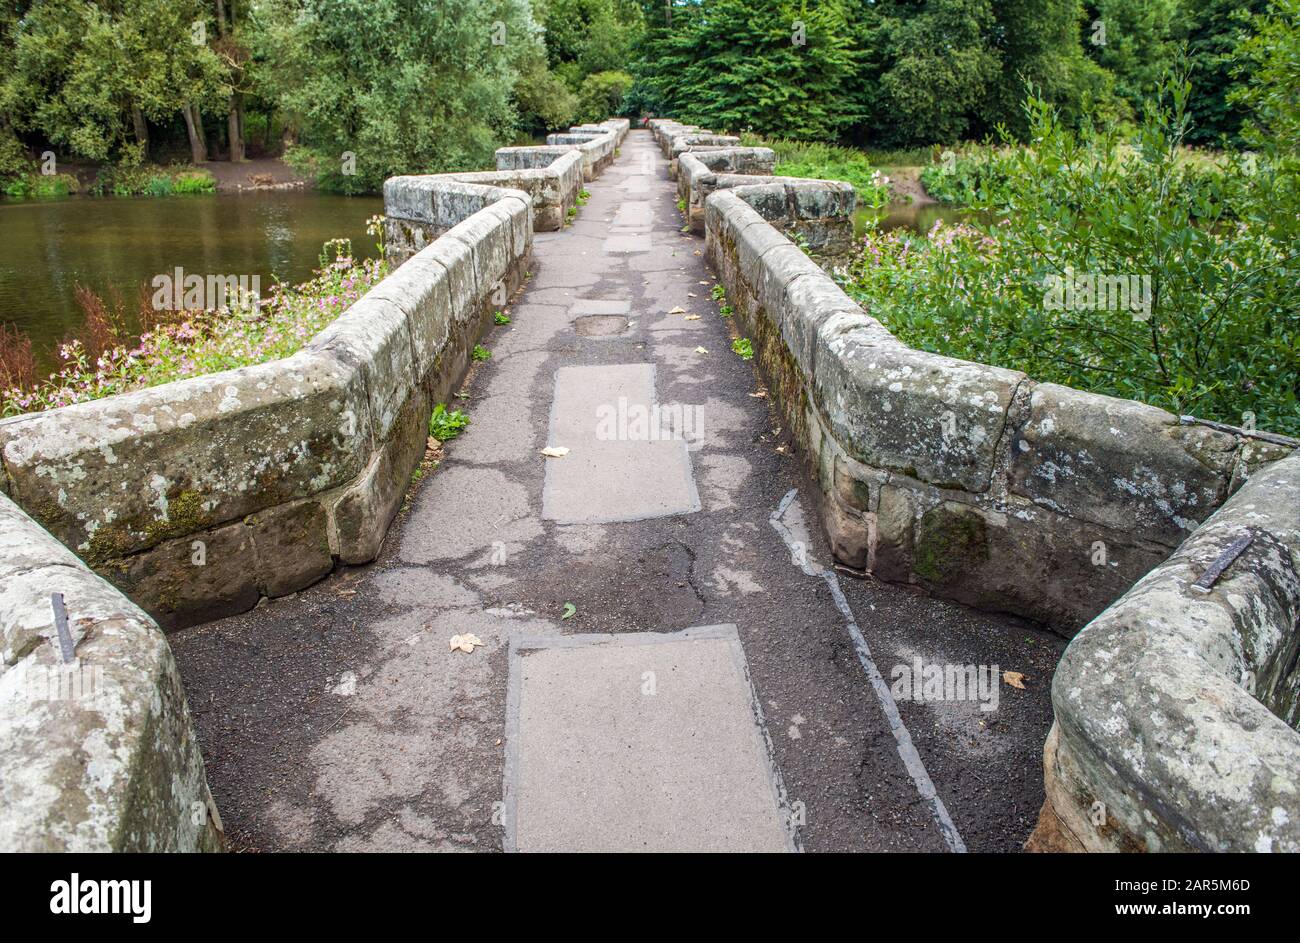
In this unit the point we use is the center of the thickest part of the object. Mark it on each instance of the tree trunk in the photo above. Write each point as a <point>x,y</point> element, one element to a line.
<point>141,130</point>
<point>236,127</point>
<point>194,128</point>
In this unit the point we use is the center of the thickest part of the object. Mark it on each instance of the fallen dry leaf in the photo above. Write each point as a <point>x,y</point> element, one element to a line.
<point>692,317</point>
<point>555,451</point>
<point>1014,678</point>
<point>701,350</point>
<point>465,643</point>
<point>759,394</point>
<point>678,310</point>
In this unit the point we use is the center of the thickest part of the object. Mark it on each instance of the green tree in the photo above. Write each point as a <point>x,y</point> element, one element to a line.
<point>771,66</point>
<point>1038,46</point>
<point>937,65</point>
<point>88,75</point>
<point>588,36</point>
<point>1211,31</point>
<point>375,88</point>
<point>1270,58</point>
<point>1134,41</point>
<point>602,94</point>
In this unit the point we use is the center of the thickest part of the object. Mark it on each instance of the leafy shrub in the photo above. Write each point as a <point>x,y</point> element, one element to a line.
<point>41,186</point>
<point>152,180</point>
<point>601,95</point>
<point>1220,336</point>
<point>977,174</point>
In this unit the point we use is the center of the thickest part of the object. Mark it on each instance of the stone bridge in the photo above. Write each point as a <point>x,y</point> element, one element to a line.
<point>657,595</point>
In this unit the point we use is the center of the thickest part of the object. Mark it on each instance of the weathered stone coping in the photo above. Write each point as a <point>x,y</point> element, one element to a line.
<point>969,480</point>
<point>99,754</point>
<point>681,143</point>
<point>1176,711</point>
<point>597,144</point>
<point>553,183</point>
<point>198,497</point>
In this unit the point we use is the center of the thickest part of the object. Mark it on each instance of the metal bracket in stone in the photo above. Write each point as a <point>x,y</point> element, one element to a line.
<point>1221,563</point>
<point>1273,437</point>
<point>61,626</point>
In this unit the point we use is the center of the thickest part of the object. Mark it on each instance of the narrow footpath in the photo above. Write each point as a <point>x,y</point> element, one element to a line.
<point>665,661</point>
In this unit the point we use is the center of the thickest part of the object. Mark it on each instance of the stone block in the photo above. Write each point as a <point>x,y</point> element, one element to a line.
<point>98,755</point>
<point>363,511</point>
<point>372,337</point>
<point>115,476</point>
<point>930,417</point>
<point>1119,463</point>
<point>177,590</point>
<point>292,546</point>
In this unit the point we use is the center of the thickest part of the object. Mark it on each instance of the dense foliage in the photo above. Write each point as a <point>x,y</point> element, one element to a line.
<point>1117,267</point>
<point>900,73</point>
<point>351,90</point>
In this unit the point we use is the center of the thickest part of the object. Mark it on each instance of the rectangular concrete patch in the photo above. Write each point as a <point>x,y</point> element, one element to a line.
<point>584,306</point>
<point>641,741</point>
<point>635,242</point>
<point>608,475</point>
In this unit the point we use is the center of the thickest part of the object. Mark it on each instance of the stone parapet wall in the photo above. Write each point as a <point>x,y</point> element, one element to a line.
<point>553,179</point>
<point>971,481</point>
<point>596,143</point>
<point>97,754</point>
<point>681,143</point>
<point>198,497</point>
<point>1176,712</point>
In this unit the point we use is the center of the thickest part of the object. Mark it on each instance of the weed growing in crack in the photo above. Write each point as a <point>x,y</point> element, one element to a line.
<point>444,425</point>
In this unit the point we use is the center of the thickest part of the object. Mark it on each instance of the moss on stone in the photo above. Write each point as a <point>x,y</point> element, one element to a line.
<point>950,540</point>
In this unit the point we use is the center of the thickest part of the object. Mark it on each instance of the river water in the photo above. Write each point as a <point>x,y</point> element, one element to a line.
<point>118,243</point>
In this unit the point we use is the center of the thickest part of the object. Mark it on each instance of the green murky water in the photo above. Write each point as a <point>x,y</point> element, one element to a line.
<point>118,243</point>
<point>918,219</point>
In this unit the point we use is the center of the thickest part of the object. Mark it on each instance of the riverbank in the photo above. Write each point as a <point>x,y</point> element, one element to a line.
<point>262,173</point>
<point>78,178</point>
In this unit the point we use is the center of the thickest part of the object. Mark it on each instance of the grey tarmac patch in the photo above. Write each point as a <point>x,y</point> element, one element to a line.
<point>603,480</point>
<point>642,741</point>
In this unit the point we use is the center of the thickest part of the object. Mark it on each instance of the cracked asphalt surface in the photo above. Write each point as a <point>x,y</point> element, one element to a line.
<point>337,718</point>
